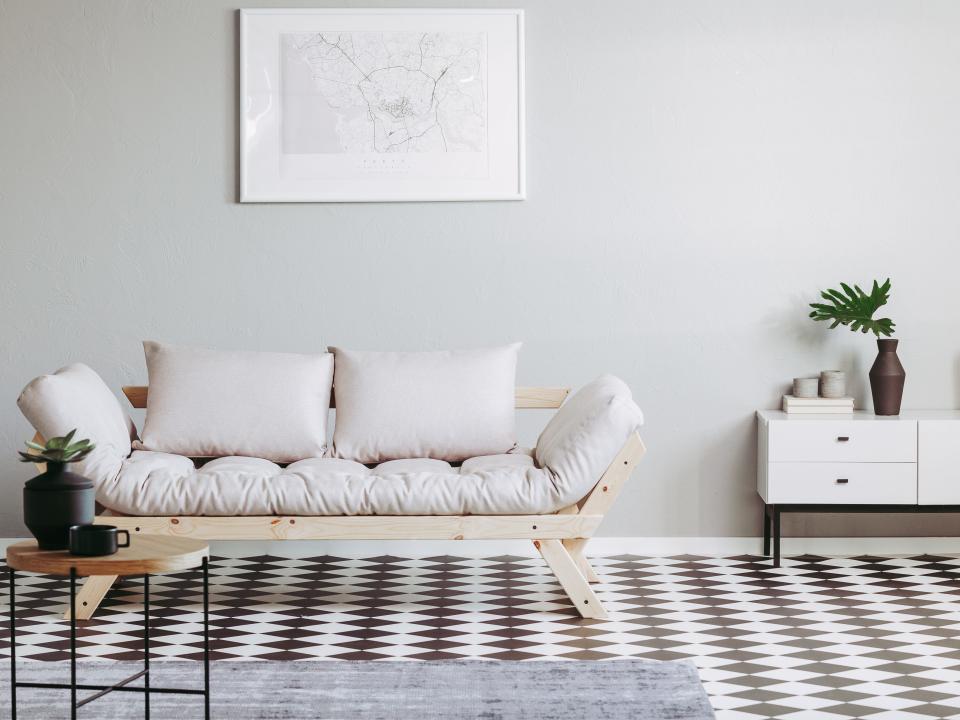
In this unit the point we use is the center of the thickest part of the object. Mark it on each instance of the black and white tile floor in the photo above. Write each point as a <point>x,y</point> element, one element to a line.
<point>819,638</point>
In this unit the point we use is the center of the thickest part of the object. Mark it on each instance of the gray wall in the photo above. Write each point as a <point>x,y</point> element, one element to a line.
<point>697,171</point>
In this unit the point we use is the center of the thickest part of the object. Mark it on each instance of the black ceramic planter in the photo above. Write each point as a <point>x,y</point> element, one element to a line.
<point>55,500</point>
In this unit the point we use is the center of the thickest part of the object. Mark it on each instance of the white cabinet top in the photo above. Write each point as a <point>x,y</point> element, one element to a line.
<point>860,416</point>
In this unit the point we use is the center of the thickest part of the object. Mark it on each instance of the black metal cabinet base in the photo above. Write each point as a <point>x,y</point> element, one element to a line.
<point>124,684</point>
<point>772,513</point>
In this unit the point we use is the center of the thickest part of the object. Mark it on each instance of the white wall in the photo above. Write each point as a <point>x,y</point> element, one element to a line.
<point>697,171</point>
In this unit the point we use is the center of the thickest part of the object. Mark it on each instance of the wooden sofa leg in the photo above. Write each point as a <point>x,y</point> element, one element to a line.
<point>576,547</point>
<point>571,579</point>
<point>91,595</point>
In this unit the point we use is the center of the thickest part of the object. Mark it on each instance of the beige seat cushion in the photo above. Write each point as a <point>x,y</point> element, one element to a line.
<point>443,405</point>
<point>163,484</point>
<point>213,403</point>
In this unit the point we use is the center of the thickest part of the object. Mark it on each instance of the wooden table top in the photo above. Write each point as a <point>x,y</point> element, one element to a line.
<point>147,554</point>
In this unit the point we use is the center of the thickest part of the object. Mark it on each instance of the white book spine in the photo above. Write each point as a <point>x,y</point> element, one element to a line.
<point>819,411</point>
<point>791,403</point>
<point>817,402</point>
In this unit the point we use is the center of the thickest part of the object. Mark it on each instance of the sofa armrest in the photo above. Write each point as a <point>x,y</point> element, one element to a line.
<point>76,397</point>
<point>584,437</point>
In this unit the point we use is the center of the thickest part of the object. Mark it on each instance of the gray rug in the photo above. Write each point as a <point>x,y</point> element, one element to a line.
<point>331,690</point>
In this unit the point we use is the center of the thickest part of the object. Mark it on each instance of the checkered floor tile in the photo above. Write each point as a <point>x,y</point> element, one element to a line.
<point>820,638</point>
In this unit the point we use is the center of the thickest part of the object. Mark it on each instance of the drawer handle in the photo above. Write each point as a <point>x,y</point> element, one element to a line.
<point>843,438</point>
<point>842,481</point>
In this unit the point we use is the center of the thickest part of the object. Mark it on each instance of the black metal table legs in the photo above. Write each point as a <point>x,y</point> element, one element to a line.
<point>146,647</point>
<point>206,640</point>
<point>73,643</point>
<point>771,516</point>
<point>122,685</point>
<point>766,532</point>
<point>13,645</point>
<point>772,512</point>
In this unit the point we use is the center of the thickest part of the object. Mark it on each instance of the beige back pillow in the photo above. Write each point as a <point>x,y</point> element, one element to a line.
<point>75,397</point>
<point>213,403</point>
<point>444,405</point>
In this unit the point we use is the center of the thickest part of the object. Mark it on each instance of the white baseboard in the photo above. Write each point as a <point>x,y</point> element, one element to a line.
<point>726,546</point>
<point>598,547</point>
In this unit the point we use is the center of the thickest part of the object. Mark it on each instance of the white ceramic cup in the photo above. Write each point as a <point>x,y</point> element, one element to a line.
<point>807,387</point>
<point>833,384</point>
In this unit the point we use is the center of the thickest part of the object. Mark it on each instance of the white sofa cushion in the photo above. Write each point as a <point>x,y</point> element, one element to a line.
<point>212,403</point>
<point>583,438</point>
<point>76,397</point>
<point>443,405</point>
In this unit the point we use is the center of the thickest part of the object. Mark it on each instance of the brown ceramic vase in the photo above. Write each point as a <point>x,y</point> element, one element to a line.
<point>887,377</point>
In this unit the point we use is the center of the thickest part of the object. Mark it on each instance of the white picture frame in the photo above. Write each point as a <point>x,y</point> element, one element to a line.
<point>381,105</point>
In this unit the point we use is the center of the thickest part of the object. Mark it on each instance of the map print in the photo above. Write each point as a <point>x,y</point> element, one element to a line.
<point>383,92</point>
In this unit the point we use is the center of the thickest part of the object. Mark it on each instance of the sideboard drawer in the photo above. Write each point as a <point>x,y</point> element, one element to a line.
<point>843,483</point>
<point>843,441</point>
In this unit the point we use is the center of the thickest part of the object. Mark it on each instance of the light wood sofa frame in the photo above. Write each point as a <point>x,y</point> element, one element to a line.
<point>560,537</point>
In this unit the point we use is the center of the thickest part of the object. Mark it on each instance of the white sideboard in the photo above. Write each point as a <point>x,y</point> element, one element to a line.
<point>858,462</point>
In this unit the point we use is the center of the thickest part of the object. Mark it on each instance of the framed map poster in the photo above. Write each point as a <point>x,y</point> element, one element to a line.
<point>347,105</point>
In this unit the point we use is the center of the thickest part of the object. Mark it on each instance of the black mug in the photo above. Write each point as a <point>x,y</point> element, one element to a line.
<point>97,539</point>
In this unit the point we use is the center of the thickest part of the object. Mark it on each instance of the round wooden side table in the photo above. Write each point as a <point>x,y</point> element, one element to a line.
<point>147,554</point>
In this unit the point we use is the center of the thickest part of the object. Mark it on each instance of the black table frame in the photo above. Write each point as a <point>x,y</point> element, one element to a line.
<point>773,511</point>
<point>122,685</point>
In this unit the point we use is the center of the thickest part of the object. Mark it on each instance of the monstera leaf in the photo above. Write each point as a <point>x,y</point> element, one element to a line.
<point>57,450</point>
<point>854,308</point>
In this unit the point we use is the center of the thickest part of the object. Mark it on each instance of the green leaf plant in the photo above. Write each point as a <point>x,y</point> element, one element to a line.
<point>855,309</point>
<point>57,450</point>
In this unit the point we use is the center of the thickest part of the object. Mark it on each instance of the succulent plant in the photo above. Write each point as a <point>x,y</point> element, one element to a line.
<point>57,450</point>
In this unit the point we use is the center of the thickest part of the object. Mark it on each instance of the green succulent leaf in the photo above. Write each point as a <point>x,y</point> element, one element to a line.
<point>58,450</point>
<point>855,308</point>
<point>75,455</point>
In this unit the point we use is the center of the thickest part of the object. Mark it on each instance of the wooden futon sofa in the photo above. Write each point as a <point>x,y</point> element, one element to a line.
<point>603,414</point>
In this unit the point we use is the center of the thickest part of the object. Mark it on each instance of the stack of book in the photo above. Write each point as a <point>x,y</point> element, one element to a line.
<point>817,405</point>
